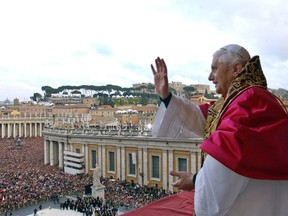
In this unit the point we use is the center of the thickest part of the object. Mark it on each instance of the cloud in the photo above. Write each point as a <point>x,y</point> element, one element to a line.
<point>97,42</point>
<point>102,49</point>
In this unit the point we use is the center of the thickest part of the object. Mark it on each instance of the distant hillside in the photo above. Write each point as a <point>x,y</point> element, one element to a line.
<point>145,91</point>
<point>282,93</point>
<point>108,95</point>
<point>86,90</point>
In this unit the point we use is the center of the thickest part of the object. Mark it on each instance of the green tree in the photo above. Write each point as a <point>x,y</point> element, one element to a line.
<point>36,97</point>
<point>144,101</point>
<point>189,91</point>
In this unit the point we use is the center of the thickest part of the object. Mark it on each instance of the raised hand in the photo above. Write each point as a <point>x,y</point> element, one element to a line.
<point>185,181</point>
<point>160,78</point>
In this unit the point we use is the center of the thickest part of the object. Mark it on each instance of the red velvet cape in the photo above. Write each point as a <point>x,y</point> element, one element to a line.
<point>252,136</point>
<point>180,204</point>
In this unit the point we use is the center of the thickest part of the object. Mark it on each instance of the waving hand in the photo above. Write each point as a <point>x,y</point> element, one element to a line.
<point>160,78</point>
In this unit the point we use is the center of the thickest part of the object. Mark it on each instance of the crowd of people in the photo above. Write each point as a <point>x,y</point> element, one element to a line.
<point>25,181</point>
<point>89,206</point>
<point>130,194</point>
<point>118,193</point>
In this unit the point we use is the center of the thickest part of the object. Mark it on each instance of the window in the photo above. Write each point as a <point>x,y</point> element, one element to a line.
<point>93,159</point>
<point>155,166</point>
<point>111,161</point>
<point>132,163</point>
<point>182,164</point>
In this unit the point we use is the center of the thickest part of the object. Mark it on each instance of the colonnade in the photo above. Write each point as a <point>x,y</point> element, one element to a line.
<point>54,152</point>
<point>21,127</point>
<point>57,146</point>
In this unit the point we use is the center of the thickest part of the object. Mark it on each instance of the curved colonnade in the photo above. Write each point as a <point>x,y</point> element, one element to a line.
<point>141,159</point>
<point>134,156</point>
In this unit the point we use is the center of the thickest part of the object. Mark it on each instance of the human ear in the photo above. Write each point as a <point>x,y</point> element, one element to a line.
<point>237,69</point>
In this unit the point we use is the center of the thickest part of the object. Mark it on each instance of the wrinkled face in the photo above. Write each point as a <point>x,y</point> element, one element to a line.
<point>221,75</point>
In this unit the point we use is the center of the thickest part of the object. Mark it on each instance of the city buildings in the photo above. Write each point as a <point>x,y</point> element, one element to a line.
<point>80,133</point>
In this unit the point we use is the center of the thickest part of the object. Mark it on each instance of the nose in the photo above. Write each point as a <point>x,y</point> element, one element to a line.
<point>211,76</point>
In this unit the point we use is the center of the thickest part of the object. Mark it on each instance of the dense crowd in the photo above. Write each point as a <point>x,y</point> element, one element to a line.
<point>117,194</point>
<point>90,206</point>
<point>25,180</point>
<point>130,194</point>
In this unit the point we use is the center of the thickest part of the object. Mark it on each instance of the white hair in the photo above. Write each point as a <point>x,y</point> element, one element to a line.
<point>231,54</point>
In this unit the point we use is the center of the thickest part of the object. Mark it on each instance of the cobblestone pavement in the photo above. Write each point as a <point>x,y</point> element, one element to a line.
<point>29,210</point>
<point>49,208</point>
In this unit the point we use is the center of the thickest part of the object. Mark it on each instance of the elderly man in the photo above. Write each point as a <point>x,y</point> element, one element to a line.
<point>245,146</point>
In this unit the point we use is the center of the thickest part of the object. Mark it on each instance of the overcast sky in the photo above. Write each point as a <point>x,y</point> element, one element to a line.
<point>114,42</point>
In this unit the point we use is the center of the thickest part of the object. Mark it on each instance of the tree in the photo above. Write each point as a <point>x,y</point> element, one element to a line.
<point>106,101</point>
<point>106,92</point>
<point>151,87</point>
<point>144,101</point>
<point>189,91</point>
<point>76,92</point>
<point>36,97</point>
<point>210,96</point>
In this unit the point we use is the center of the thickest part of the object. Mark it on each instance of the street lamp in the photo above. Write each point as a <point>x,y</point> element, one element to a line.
<point>142,176</point>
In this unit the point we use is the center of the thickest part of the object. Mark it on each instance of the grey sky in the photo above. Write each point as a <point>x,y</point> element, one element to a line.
<point>68,42</point>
